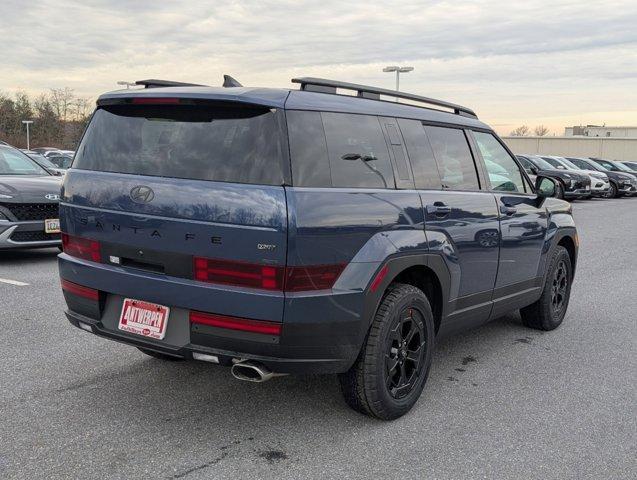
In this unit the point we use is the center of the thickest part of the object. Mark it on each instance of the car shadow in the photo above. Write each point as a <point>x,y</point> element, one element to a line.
<point>16,257</point>
<point>203,401</point>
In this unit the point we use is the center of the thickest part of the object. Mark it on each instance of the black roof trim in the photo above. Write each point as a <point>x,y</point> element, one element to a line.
<point>365,91</point>
<point>153,83</point>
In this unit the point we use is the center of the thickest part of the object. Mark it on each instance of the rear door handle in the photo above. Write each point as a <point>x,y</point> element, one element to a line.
<point>438,208</point>
<point>506,210</point>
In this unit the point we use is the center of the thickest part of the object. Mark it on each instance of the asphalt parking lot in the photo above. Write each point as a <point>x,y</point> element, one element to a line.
<point>501,402</point>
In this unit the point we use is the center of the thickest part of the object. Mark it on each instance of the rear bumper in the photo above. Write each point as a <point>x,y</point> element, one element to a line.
<point>226,357</point>
<point>26,235</point>
<point>320,332</point>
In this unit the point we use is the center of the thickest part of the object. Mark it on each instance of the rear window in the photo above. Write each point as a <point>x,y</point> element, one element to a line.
<point>241,145</point>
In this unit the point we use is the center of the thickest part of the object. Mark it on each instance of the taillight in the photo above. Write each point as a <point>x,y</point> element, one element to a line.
<point>313,277</point>
<point>239,273</point>
<point>81,247</point>
<point>266,277</point>
<point>80,290</point>
<point>236,323</point>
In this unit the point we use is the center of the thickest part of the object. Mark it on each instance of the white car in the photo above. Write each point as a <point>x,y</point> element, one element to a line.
<point>600,184</point>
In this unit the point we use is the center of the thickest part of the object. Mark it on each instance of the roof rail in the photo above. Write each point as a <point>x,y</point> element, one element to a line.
<point>323,85</point>
<point>152,83</point>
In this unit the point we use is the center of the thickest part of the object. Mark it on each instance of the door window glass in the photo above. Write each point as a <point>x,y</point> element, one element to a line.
<point>453,156</point>
<point>504,173</point>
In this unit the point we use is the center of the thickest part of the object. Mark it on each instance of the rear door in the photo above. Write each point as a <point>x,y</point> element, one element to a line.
<point>523,224</point>
<point>461,220</point>
<point>159,185</point>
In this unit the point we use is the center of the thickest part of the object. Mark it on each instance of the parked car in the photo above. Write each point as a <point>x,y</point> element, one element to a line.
<point>62,162</point>
<point>570,185</point>
<point>29,199</point>
<point>45,150</point>
<point>620,167</point>
<point>600,184</point>
<point>620,183</point>
<point>631,165</point>
<point>283,231</point>
<point>44,162</point>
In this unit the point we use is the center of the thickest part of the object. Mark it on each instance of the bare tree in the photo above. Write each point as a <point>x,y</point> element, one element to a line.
<point>541,130</point>
<point>62,100</point>
<point>522,131</point>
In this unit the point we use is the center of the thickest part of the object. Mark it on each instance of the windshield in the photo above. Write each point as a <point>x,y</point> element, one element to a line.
<point>569,164</point>
<point>580,163</point>
<point>225,144</point>
<point>622,167</point>
<point>631,165</point>
<point>42,160</point>
<point>541,164</point>
<point>606,165</point>
<point>554,163</point>
<point>14,162</point>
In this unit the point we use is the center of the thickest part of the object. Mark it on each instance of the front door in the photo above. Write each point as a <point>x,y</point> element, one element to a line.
<point>523,224</point>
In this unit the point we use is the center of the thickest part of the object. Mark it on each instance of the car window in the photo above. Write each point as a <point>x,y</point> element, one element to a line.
<point>607,165</point>
<point>202,142</point>
<point>504,172</point>
<point>13,162</point>
<point>421,155</point>
<point>526,164</point>
<point>579,163</point>
<point>357,151</point>
<point>308,150</point>
<point>453,157</point>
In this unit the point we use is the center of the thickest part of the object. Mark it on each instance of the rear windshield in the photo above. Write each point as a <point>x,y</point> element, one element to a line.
<point>185,141</point>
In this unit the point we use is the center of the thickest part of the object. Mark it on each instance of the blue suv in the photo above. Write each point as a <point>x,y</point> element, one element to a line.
<point>280,231</point>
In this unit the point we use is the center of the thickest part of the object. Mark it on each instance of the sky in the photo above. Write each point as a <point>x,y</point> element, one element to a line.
<point>550,62</point>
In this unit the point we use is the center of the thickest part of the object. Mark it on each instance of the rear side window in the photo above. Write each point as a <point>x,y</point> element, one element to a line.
<point>338,150</point>
<point>240,145</point>
<point>357,151</point>
<point>308,149</point>
<point>453,156</point>
<point>421,155</point>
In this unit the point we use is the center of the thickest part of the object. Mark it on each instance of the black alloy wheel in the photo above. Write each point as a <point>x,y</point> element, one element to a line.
<point>404,353</point>
<point>559,288</point>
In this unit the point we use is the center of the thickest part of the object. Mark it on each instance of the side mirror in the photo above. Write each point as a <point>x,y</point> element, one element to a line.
<point>534,169</point>
<point>545,187</point>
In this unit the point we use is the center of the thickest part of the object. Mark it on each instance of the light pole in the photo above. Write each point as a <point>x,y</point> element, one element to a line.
<point>27,123</point>
<point>128,84</point>
<point>398,71</point>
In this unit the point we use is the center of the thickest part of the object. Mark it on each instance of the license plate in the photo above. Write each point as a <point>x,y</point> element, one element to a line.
<point>52,225</point>
<point>144,318</point>
<point>588,187</point>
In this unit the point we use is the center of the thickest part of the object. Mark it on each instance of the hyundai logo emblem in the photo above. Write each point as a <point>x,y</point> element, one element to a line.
<point>142,194</point>
<point>51,196</point>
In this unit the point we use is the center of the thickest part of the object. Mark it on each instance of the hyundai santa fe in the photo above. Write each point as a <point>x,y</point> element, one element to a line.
<point>283,231</point>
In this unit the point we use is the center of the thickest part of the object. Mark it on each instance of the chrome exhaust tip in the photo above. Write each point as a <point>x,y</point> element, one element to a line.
<point>250,371</point>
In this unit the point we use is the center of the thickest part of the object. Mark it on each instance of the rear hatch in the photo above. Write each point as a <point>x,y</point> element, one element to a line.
<point>189,194</point>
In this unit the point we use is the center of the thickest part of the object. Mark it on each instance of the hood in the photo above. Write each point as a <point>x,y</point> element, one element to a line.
<point>27,189</point>
<point>619,175</point>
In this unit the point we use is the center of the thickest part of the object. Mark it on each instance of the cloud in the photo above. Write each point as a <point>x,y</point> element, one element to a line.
<point>477,52</point>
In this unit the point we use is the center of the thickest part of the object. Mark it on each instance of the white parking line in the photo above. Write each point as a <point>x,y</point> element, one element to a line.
<point>13,282</point>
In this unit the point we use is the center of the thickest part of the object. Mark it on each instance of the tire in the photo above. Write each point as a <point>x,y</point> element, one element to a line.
<point>400,340</point>
<point>559,191</point>
<point>158,355</point>
<point>549,311</point>
<point>612,193</point>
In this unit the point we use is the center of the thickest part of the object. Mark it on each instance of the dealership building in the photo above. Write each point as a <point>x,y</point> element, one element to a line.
<point>612,143</point>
